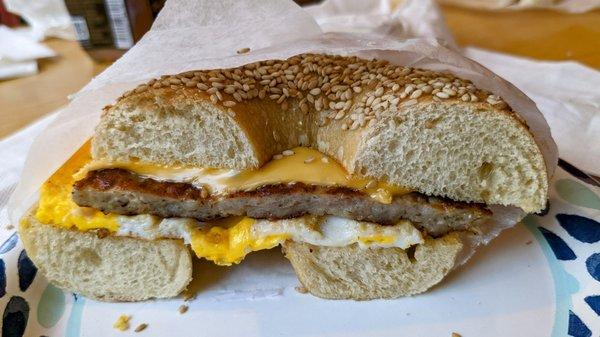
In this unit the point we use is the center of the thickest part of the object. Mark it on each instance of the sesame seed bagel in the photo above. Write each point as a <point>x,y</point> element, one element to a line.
<point>430,132</point>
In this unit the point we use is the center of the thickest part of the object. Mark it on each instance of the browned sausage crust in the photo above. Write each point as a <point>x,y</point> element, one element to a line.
<point>123,192</point>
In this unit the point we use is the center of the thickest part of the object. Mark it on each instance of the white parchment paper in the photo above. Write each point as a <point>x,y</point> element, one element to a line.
<point>191,34</point>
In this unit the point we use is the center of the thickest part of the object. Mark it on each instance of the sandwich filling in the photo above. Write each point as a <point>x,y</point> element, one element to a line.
<point>304,165</point>
<point>224,241</point>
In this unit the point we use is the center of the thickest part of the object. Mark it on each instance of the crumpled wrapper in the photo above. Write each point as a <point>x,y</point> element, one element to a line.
<point>47,18</point>
<point>192,34</point>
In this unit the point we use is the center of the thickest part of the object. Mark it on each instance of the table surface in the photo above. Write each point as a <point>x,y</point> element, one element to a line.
<point>540,34</point>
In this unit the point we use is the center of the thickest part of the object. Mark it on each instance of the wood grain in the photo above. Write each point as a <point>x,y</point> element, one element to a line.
<point>23,100</point>
<point>539,34</point>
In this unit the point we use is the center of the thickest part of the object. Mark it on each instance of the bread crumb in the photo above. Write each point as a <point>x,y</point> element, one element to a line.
<point>183,309</point>
<point>122,323</point>
<point>529,242</point>
<point>189,297</point>
<point>454,334</point>
<point>101,233</point>
<point>9,227</point>
<point>301,289</point>
<point>141,327</point>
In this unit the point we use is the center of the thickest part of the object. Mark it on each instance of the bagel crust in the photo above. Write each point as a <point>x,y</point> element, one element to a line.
<point>430,132</point>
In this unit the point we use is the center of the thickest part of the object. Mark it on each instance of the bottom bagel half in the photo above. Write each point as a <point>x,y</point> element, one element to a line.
<point>107,267</point>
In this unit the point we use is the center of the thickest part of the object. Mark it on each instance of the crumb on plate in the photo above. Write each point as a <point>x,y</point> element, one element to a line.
<point>141,327</point>
<point>122,323</point>
<point>301,289</point>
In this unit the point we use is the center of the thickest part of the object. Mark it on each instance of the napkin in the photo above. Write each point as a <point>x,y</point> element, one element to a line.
<point>46,18</point>
<point>19,52</point>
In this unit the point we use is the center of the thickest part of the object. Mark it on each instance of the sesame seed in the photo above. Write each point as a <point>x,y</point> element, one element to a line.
<point>309,160</point>
<point>325,160</point>
<point>277,156</point>
<point>141,327</point>
<point>237,96</point>
<point>450,92</point>
<point>183,309</point>
<point>410,102</point>
<point>427,89</point>
<point>243,50</point>
<point>287,153</point>
<point>416,94</point>
<point>319,104</point>
<point>318,82</point>
<point>442,94</point>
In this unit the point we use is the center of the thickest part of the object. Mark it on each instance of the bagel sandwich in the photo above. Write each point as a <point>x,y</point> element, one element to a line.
<point>376,179</point>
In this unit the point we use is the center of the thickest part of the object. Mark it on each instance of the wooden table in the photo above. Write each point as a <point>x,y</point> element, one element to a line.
<point>540,34</point>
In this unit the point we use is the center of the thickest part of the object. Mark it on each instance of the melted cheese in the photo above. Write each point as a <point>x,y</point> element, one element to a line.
<point>305,165</point>
<point>56,207</point>
<point>225,241</point>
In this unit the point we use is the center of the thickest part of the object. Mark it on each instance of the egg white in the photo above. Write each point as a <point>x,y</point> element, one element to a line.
<point>328,231</point>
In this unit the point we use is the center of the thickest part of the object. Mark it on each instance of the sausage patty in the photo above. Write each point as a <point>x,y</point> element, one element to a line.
<point>123,192</point>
